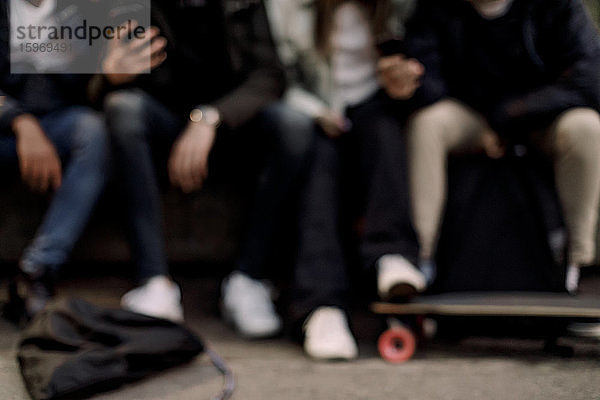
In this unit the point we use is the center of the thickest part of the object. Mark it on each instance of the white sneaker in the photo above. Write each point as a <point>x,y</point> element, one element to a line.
<point>327,335</point>
<point>160,297</point>
<point>397,277</point>
<point>248,307</point>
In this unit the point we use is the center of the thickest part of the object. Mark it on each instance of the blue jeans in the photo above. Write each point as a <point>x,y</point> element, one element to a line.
<point>79,136</point>
<point>140,124</point>
<point>137,123</point>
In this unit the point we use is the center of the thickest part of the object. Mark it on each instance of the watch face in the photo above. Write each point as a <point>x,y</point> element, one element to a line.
<point>196,115</point>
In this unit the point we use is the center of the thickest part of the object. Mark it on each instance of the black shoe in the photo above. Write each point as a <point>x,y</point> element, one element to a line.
<point>35,292</point>
<point>14,309</point>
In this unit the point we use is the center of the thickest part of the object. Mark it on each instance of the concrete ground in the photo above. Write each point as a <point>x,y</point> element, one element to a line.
<point>479,368</point>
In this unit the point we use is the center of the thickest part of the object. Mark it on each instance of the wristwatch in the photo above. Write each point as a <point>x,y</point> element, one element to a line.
<point>206,114</point>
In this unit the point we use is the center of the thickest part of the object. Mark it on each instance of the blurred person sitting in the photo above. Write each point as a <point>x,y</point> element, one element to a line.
<point>329,50</point>
<point>211,94</point>
<point>498,71</point>
<point>59,144</point>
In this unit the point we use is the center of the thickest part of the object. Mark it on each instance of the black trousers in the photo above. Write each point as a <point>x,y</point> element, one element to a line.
<point>365,167</point>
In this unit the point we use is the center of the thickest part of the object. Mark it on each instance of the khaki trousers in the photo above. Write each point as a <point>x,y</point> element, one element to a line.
<point>448,126</point>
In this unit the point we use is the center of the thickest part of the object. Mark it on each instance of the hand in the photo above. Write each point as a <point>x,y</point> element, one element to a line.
<point>38,160</point>
<point>188,163</point>
<point>400,77</point>
<point>492,144</point>
<point>126,59</point>
<point>332,123</point>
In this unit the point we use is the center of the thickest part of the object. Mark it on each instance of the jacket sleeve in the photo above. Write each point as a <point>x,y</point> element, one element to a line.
<point>9,107</point>
<point>423,43</point>
<point>297,95</point>
<point>304,101</point>
<point>265,80</point>
<point>9,110</point>
<point>572,59</point>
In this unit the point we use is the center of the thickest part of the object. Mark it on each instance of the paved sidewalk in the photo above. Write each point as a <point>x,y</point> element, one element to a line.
<point>277,369</point>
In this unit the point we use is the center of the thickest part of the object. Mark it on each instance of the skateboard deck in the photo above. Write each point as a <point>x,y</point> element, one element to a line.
<point>398,343</point>
<point>496,304</point>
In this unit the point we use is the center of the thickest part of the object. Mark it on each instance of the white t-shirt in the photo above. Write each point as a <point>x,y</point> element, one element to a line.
<point>23,14</point>
<point>493,9</point>
<point>353,57</point>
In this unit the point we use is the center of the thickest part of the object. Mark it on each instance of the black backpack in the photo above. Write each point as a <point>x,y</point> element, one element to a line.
<point>503,228</point>
<point>73,349</point>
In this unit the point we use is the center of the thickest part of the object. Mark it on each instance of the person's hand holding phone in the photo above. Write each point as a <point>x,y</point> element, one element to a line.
<point>129,55</point>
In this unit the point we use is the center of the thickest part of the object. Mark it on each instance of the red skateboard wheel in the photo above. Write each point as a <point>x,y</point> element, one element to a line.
<point>397,345</point>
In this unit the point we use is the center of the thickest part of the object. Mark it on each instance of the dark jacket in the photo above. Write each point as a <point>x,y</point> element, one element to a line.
<point>250,77</point>
<point>254,63</point>
<point>33,93</point>
<point>520,70</point>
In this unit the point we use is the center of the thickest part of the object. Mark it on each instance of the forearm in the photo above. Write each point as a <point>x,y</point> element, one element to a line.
<point>243,103</point>
<point>533,111</point>
<point>262,75</point>
<point>579,86</point>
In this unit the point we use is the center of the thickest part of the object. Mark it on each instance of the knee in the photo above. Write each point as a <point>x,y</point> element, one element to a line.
<point>90,133</point>
<point>123,102</point>
<point>426,127</point>
<point>293,132</point>
<point>125,113</point>
<point>578,131</point>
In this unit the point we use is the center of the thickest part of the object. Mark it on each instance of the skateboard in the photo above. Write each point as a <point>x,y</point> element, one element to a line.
<point>398,343</point>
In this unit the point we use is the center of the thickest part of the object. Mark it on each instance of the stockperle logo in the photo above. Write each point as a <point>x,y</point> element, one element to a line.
<point>48,37</point>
